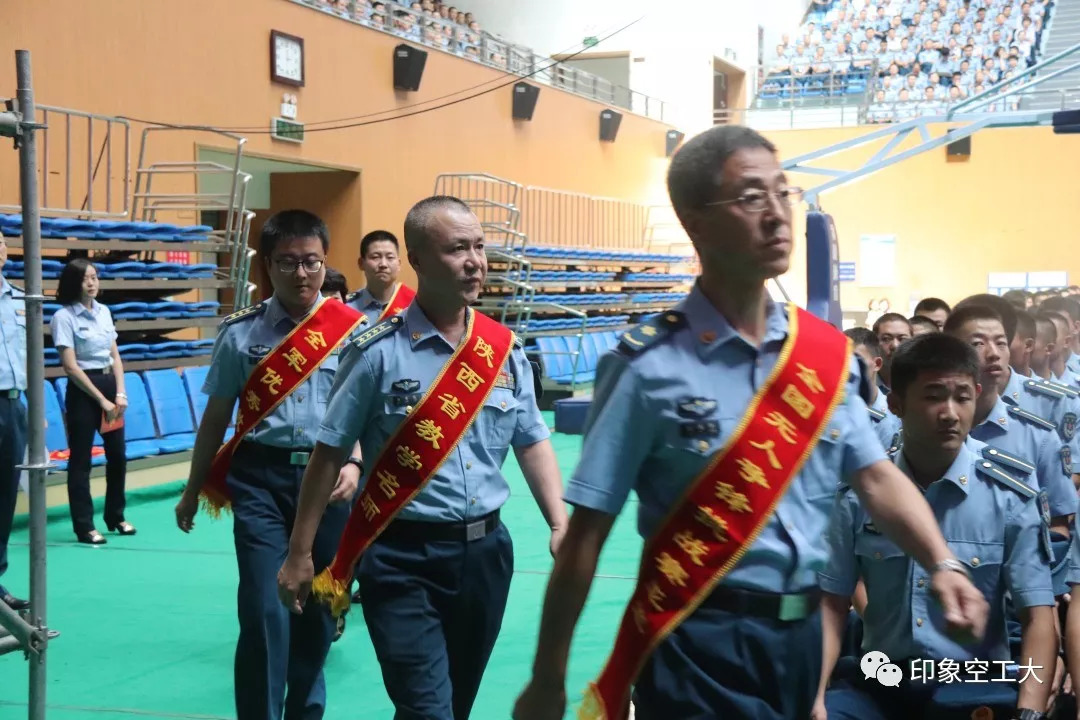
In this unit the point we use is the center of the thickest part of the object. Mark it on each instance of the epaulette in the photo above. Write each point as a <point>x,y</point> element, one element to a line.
<point>651,332</point>
<point>518,342</point>
<point>1001,477</point>
<point>249,311</point>
<point>1063,388</point>
<point>1031,417</point>
<point>894,445</point>
<point>380,330</point>
<point>1009,460</point>
<point>875,415</point>
<point>1043,389</point>
<point>352,296</point>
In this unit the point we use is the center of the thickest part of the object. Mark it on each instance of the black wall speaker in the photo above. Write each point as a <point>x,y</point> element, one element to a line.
<point>609,125</point>
<point>525,100</point>
<point>674,140</point>
<point>1066,122</point>
<point>960,147</point>
<point>408,67</point>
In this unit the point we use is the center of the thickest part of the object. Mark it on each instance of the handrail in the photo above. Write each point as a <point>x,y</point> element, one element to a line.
<point>993,90</point>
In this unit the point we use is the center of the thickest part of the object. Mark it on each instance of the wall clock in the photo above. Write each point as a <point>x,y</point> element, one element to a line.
<point>286,59</point>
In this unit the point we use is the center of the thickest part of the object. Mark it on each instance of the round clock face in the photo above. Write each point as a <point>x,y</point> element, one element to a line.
<point>288,59</point>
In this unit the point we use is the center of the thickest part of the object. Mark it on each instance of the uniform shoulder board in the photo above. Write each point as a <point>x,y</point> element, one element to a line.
<point>894,446</point>
<point>1043,389</point>
<point>518,342</point>
<point>993,472</point>
<point>1031,417</point>
<point>249,312</point>
<point>875,415</point>
<point>381,330</point>
<point>1009,460</point>
<point>352,296</point>
<point>1063,388</point>
<point>651,332</point>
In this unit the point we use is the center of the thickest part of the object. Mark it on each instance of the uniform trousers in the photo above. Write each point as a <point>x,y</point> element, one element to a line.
<point>726,665</point>
<point>434,608</point>
<point>279,656</point>
<point>84,417</point>
<point>12,450</point>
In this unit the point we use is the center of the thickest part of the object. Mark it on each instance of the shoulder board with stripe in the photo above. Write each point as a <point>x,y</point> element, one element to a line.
<point>1063,388</point>
<point>875,415</point>
<point>1031,417</point>
<point>993,472</point>
<point>1009,460</point>
<point>518,342</point>
<point>377,332</point>
<point>352,296</point>
<point>651,332</point>
<point>1042,388</point>
<point>249,312</point>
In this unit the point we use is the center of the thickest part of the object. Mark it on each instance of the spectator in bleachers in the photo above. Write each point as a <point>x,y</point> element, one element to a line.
<point>930,105</point>
<point>820,66</point>
<point>85,336</point>
<point>881,110</point>
<point>906,109</point>
<point>905,58</point>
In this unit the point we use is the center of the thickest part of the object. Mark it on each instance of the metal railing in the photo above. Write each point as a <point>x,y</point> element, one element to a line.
<point>85,148</point>
<point>483,47</point>
<point>563,218</point>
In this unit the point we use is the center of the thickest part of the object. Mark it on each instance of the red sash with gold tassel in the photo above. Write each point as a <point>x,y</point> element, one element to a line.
<point>403,295</point>
<point>283,370</point>
<point>726,507</point>
<point>417,449</point>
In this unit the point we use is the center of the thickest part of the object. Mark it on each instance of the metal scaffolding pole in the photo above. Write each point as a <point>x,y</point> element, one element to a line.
<point>19,122</point>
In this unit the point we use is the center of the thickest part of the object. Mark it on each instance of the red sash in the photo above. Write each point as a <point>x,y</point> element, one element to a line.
<point>725,508</point>
<point>403,295</point>
<point>417,449</point>
<point>277,375</point>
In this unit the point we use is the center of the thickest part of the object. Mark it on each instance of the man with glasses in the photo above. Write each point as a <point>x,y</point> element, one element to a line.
<point>733,418</point>
<point>278,358</point>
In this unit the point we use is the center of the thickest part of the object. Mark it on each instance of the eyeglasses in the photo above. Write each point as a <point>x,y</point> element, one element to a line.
<point>288,265</point>
<point>756,201</point>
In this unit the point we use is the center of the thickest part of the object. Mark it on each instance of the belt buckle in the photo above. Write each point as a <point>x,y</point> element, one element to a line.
<point>299,458</point>
<point>475,530</point>
<point>793,607</point>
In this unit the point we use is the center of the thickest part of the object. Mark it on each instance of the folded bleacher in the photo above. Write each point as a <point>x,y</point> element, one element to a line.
<point>11,225</point>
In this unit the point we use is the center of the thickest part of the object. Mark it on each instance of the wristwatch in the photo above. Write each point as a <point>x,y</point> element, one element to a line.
<point>357,462</point>
<point>953,565</point>
<point>1028,714</point>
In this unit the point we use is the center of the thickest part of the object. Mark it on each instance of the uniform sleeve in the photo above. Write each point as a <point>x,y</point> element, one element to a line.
<point>841,572</point>
<point>1027,569</point>
<point>354,389</point>
<point>63,329</point>
<point>618,435</point>
<point>530,427</point>
<point>862,448</point>
<point>1055,475</point>
<point>225,378</point>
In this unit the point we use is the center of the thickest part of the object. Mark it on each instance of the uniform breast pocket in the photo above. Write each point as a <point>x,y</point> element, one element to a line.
<point>395,410</point>
<point>500,417</point>
<point>324,379</point>
<point>824,469</point>
<point>983,560</point>
<point>20,329</point>
<point>696,437</point>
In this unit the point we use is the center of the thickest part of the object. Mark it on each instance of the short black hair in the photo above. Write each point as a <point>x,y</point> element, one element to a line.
<point>932,304</point>
<point>419,216</point>
<point>922,320</point>
<point>890,317</point>
<point>1019,298</point>
<point>1000,305</point>
<point>963,315</point>
<point>934,352</point>
<point>697,168</point>
<point>867,338</point>
<point>289,225</point>
<point>69,287</point>
<point>1044,321</point>
<point>334,282</point>
<point>1060,303</point>
<point>1025,325</point>
<point>377,236</point>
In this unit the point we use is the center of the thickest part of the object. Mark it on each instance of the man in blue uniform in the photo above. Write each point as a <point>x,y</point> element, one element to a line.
<point>892,329</point>
<point>666,402</point>
<point>434,581</point>
<point>12,412</point>
<point>279,657</point>
<point>381,265</point>
<point>993,524</point>
<point>865,344</point>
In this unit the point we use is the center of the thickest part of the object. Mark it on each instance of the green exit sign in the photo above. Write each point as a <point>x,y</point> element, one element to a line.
<point>590,41</point>
<point>289,130</point>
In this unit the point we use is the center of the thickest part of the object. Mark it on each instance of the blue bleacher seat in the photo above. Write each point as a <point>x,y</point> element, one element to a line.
<point>172,410</point>
<point>55,435</point>
<point>139,434</point>
<point>193,378</point>
<point>108,229</point>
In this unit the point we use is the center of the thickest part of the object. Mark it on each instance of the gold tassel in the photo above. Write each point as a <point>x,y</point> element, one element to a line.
<point>591,707</point>
<point>213,506</point>
<point>331,591</point>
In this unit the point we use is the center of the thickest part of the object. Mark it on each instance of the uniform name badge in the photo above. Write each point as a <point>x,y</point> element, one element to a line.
<point>417,449</point>
<point>280,371</point>
<point>403,295</point>
<point>725,508</point>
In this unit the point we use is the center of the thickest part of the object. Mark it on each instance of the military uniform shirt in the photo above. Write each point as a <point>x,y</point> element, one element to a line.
<point>363,301</point>
<point>991,527</point>
<point>88,331</point>
<point>379,386</point>
<point>1073,576</point>
<point>241,345</point>
<point>659,416</point>
<point>12,337</point>
<point>886,428</point>
<point>1006,429</point>
<point>1035,394</point>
